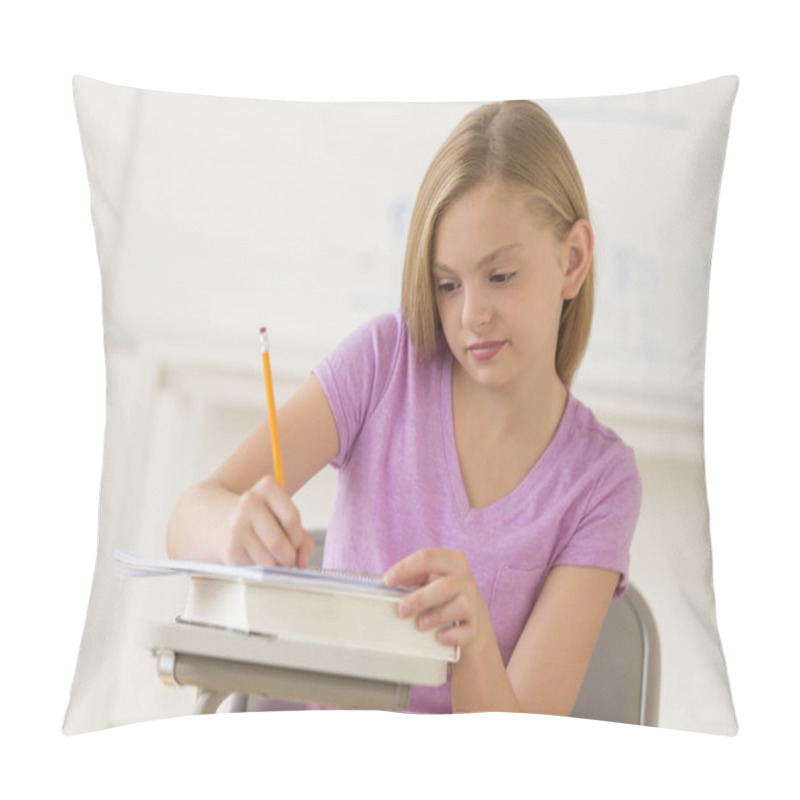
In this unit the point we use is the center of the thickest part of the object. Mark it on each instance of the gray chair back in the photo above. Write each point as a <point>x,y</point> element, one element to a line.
<point>622,682</point>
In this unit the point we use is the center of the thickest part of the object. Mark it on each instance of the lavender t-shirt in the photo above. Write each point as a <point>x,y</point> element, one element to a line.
<point>400,486</point>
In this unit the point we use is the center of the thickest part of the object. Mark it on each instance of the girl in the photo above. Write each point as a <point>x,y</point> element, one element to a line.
<point>466,467</point>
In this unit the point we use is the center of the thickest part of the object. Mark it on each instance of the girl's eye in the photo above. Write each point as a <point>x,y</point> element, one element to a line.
<point>502,277</point>
<point>447,286</point>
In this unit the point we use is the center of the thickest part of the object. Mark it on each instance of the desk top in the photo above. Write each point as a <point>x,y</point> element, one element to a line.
<point>293,654</point>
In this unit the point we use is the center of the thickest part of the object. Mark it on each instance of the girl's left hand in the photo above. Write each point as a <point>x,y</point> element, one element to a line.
<point>448,595</point>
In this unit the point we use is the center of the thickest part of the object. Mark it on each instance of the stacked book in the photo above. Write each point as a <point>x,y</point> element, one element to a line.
<point>320,620</point>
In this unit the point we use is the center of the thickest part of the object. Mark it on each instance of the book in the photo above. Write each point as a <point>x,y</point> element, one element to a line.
<point>354,611</point>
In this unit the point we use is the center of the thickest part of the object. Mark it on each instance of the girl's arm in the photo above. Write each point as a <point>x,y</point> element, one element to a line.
<point>240,514</point>
<point>547,667</point>
<point>549,662</point>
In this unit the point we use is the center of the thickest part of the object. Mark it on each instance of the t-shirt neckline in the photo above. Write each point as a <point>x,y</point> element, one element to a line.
<point>506,505</point>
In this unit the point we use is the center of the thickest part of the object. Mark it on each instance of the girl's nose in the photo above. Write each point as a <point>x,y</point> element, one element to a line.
<point>476,311</point>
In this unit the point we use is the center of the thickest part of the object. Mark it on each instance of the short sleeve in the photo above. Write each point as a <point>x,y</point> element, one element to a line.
<point>605,531</point>
<point>356,374</point>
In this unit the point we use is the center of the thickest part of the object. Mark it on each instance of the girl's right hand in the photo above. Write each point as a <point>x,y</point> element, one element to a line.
<point>265,529</point>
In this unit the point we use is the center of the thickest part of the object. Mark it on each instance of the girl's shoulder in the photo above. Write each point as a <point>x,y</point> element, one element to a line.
<point>375,337</point>
<point>385,338</point>
<point>594,441</point>
<point>383,332</point>
<point>375,358</point>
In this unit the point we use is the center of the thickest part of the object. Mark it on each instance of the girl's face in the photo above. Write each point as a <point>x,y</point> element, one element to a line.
<point>500,276</point>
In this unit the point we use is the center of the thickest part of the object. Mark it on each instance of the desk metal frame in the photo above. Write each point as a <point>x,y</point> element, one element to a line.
<point>221,663</point>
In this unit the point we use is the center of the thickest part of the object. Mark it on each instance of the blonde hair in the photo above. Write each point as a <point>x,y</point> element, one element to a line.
<point>517,143</point>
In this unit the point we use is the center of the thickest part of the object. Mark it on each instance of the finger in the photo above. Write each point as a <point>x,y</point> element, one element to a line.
<point>437,593</point>
<point>283,509</point>
<point>455,610</point>
<point>410,571</point>
<point>257,553</point>
<point>458,634</point>
<point>305,552</point>
<point>236,551</point>
<point>258,522</point>
<point>236,555</point>
<point>421,565</point>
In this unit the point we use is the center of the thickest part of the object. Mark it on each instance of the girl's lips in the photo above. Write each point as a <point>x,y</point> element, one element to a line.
<point>485,351</point>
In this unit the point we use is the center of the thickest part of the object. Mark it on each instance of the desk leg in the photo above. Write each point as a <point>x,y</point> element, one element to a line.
<point>208,701</point>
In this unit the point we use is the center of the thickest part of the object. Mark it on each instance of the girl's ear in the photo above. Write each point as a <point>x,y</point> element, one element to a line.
<point>579,247</point>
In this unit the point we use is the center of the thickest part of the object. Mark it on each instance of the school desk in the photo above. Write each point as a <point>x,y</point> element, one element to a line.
<point>221,663</point>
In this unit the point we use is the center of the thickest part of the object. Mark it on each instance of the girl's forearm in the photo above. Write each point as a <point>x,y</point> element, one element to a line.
<point>479,682</point>
<point>194,530</point>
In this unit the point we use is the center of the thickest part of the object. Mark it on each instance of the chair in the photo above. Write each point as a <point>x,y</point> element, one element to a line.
<point>622,682</point>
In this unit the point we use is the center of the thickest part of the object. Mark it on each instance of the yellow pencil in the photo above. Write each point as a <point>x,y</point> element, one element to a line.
<point>277,466</point>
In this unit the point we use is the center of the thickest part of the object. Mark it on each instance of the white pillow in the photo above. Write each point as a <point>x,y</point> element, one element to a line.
<point>216,215</point>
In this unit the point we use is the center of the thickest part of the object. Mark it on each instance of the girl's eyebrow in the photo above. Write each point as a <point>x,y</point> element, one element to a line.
<point>487,259</point>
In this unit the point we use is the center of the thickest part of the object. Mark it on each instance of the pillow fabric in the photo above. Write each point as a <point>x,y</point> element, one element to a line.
<point>215,215</point>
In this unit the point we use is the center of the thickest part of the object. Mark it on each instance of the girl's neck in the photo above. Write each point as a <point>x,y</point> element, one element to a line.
<point>534,408</point>
<point>500,435</point>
